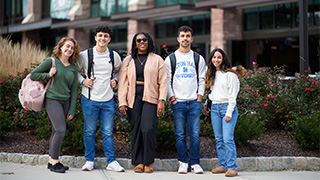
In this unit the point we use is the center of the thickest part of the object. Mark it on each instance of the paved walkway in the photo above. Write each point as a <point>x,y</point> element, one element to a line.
<point>16,171</point>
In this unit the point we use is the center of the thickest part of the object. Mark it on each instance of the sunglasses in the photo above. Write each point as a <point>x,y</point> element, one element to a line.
<point>144,40</point>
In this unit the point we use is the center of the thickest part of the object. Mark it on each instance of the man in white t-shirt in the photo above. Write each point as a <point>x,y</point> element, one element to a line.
<point>97,98</point>
<point>185,91</point>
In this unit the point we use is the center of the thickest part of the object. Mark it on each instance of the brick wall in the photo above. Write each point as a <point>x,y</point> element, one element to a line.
<point>225,25</point>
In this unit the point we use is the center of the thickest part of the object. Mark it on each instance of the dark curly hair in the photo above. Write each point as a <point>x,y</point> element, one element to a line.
<point>134,50</point>
<point>184,29</point>
<point>211,72</point>
<point>104,29</point>
<point>76,50</point>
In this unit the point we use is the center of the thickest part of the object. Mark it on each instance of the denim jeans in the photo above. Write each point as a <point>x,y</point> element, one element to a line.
<point>104,111</point>
<point>187,113</point>
<point>224,135</point>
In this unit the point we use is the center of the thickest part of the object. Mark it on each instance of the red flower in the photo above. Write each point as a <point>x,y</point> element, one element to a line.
<point>306,89</point>
<point>164,46</point>
<point>25,111</point>
<point>265,104</point>
<point>1,81</point>
<point>316,83</point>
<point>254,63</point>
<point>310,89</point>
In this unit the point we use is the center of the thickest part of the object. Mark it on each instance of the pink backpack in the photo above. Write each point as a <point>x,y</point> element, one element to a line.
<point>32,93</point>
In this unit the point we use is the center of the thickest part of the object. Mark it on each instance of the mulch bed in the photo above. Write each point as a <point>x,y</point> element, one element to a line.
<point>270,143</point>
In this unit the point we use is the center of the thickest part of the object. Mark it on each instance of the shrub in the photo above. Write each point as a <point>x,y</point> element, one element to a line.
<point>165,136</point>
<point>73,140</point>
<point>249,127</point>
<point>261,91</point>
<point>265,92</point>
<point>165,130</point>
<point>123,128</point>
<point>5,124</point>
<point>206,126</point>
<point>303,95</point>
<point>305,129</point>
<point>264,99</point>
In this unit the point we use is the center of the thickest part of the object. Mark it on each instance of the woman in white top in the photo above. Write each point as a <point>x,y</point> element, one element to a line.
<point>224,86</point>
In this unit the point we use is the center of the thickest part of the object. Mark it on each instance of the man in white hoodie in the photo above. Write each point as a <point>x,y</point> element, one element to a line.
<point>97,97</point>
<point>186,85</point>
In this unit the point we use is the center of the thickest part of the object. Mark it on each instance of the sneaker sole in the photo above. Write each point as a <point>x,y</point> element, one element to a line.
<point>197,172</point>
<point>57,171</point>
<point>182,172</point>
<point>86,169</point>
<point>122,170</point>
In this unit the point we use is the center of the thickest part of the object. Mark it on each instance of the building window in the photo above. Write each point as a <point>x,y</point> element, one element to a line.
<point>166,28</point>
<point>266,17</point>
<point>59,9</point>
<point>24,8</point>
<point>120,33</point>
<point>13,11</point>
<point>313,13</point>
<point>201,24</point>
<point>283,15</point>
<point>251,18</point>
<point>122,6</point>
<point>106,8</point>
<point>45,11</point>
<point>160,3</point>
<point>279,16</point>
<point>316,12</point>
<point>310,13</point>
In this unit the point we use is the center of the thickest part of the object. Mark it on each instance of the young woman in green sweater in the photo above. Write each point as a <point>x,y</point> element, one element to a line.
<point>60,99</point>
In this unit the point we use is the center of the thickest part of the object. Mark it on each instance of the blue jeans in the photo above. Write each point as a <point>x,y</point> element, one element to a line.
<point>224,132</point>
<point>187,113</point>
<point>104,111</point>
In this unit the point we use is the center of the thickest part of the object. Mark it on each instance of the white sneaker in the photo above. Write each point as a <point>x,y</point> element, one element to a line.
<point>88,166</point>
<point>196,168</point>
<point>183,168</point>
<point>115,166</point>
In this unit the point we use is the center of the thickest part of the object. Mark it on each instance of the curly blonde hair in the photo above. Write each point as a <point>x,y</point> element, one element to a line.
<point>76,50</point>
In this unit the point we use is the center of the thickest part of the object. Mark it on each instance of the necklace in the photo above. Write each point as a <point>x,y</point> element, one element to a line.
<point>142,62</point>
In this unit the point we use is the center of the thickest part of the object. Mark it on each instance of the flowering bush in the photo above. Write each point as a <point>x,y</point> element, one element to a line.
<point>265,100</point>
<point>261,91</point>
<point>281,103</point>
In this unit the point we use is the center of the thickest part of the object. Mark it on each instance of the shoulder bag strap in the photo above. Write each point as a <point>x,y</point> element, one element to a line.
<point>90,67</point>
<point>196,58</point>
<point>112,61</point>
<point>51,80</point>
<point>172,57</point>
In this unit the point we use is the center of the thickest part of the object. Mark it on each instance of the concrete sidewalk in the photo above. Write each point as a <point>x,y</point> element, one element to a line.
<point>16,171</point>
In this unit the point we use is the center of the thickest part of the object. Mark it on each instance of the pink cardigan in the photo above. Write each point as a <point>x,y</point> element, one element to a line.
<point>155,81</point>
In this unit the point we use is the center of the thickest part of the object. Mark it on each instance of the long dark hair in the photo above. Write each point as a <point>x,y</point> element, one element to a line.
<point>211,72</point>
<point>134,50</point>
